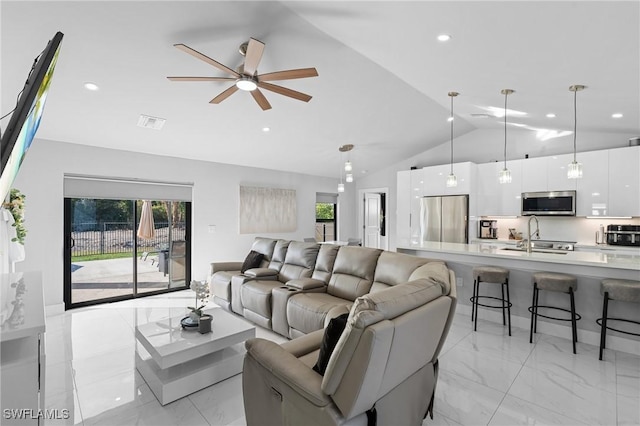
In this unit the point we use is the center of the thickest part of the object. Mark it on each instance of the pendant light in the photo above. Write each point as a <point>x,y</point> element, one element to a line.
<point>574,171</point>
<point>348,167</point>
<point>451,179</point>
<point>505,175</point>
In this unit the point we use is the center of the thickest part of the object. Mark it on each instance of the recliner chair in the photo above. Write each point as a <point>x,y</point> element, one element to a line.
<point>386,359</point>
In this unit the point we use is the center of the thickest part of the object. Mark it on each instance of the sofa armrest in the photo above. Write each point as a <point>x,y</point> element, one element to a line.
<point>225,266</point>
<point>304,344</point>
<point>261,273</point>
<point>305,283</point>
<point>289,369</point>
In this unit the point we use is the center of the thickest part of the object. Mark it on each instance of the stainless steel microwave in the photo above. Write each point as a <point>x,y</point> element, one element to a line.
<point>549,203</point>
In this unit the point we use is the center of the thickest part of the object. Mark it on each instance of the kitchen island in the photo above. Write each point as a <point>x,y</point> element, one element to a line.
<point>589,267</point>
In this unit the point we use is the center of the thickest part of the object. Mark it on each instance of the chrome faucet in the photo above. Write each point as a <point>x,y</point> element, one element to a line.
<point>536,233</point>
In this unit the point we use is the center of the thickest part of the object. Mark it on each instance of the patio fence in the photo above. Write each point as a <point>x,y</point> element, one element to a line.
<point>92,238</point>
<point>325,231</point>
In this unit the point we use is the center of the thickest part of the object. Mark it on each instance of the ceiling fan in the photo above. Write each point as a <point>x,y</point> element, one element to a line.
<point>246,77</point>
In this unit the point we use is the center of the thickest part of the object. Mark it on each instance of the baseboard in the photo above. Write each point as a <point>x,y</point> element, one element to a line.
<point>558,330</point>
<point>55,309</point>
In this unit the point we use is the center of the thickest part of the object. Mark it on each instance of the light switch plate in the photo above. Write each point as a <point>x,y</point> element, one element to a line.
<point>459,281</point>
<point>212,229</point>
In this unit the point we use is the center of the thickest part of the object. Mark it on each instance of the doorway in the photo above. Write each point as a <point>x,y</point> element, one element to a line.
<point>122,249</point>
<point>373,217</point>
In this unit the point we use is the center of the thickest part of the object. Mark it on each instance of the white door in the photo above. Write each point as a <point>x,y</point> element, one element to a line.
<point>372,220</point>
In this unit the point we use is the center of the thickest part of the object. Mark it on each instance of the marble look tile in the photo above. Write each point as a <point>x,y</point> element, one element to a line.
<point>572,398</point>
<point>515,411</point>
<point>91,337</point>
<point>457,332</point>
<point>221,403</point>
<point>583,367</point>
<point>58,378</point>
<point>515,348</point>
<point>628,375</point>
<point>480,368</point>
<point>464,401</point>
<point>439,420</point>
<point>103,366</point>
<point>628,410</point>
<point>180,412</point>
<point>68,401</point>
<point>119,392</point>
<point>58,346</point>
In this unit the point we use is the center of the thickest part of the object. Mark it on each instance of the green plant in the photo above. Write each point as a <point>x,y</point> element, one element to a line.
<point>201,289</point>
<point>16,206</point>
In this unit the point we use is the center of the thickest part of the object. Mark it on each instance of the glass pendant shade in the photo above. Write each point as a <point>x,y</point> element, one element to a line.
<point>347,166</point>
<point>349,178</point>
<point>574,171</point>
<point>504,176</point>
<point>452,181</point>
<point>341,187</point>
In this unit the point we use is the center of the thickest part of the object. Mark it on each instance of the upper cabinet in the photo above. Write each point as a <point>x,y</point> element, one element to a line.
<point>403,207</point>
<point>435,179</point>
<point>592,197</point>
<point>416,193</point>
<point>624,181</point>
<point>547,174</point>
<point>495,198</point>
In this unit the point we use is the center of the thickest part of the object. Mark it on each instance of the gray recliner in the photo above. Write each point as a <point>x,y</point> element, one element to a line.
<point>386,357</point>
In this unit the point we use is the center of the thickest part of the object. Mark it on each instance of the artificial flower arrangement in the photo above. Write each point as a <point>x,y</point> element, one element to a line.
<point>15,205</point>
<point>201,288</point>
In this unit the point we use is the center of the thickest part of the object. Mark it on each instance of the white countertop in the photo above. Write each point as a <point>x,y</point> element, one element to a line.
<point>492,248</point>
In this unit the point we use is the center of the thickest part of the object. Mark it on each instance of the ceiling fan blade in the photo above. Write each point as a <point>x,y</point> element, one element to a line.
<point>253,56</point>
<point>201,78</point>
<point>260,99</point>
<point>286,92</point>
<point>206,59</point>
<point>288,74</point>
<point>224,95</point>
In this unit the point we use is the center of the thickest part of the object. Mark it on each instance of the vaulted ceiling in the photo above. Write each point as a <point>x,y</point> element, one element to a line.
<point>383,76</point>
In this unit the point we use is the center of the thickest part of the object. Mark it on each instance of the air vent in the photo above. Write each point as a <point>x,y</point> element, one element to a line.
<point>149,122</point>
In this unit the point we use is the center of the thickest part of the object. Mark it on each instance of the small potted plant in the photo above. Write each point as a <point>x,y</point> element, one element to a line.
<point>201,288</point>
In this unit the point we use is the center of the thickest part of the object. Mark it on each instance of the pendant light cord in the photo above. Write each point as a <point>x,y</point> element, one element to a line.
<point>505,129</point>
<point>575,122</point>
<point>451,135</point>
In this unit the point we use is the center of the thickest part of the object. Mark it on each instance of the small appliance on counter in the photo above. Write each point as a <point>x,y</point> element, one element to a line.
<point>489,229</point>
<point>623,235</point>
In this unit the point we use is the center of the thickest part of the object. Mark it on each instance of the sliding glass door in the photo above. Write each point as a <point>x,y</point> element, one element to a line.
<point>120,249</point>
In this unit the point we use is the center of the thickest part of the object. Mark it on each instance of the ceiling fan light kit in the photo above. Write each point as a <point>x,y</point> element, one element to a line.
<point>247,78</point>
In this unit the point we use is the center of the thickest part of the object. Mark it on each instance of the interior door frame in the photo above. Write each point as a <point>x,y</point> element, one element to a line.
<point>384,240</point>
<point>67,284</point>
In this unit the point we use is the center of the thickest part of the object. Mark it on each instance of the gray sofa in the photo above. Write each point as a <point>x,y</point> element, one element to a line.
<point>300,285</point>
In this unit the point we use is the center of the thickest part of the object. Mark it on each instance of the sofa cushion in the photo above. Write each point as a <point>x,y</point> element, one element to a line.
<point>353,272</point>
<point>299,261</point>
<point>306,312</point>
<point>256,296</point>
<point>394,268</point>
<point>331,335</point>
<point>266,247</point>
<point>253,260</point>
<point>279,254</point>
<point>325,261</point>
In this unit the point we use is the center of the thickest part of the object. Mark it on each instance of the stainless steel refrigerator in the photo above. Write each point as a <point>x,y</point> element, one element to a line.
<point>445,218</point>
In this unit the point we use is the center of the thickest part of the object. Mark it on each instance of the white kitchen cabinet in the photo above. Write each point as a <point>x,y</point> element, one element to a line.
<point>417,192</point>
<point>592,196</point>
<point>557,179</point>
<point>403,207</point>
<point>534,174</point>
<point>624,181</point>
<point>435,179</point>
<point>495,198</point>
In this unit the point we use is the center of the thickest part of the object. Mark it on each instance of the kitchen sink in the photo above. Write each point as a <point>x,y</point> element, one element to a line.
<point>523,249</point>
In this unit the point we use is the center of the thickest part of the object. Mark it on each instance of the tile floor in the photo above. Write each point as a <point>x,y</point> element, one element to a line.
<point>486,377</point>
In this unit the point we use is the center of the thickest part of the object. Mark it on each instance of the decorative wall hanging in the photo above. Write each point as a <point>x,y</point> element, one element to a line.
<point>267,210</point>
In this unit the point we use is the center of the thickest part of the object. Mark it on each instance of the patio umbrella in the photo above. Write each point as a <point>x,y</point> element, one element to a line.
<point>146,227</point>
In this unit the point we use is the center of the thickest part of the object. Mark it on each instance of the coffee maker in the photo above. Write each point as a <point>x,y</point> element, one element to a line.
<point>489,229</point>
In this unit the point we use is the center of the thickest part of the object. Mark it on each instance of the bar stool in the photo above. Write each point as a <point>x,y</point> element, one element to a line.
<point>619,290</point>
<point>494,275</point>
<point>553,281</point>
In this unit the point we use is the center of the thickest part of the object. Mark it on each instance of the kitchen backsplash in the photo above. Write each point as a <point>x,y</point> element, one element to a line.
<point>578,229</point>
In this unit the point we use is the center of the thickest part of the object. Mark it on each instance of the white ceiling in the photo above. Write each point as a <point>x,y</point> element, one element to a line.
<point>383,76</point>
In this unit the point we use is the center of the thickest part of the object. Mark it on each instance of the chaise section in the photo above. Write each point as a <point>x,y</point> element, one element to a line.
<point>221,272</point>
<point>352,277</point>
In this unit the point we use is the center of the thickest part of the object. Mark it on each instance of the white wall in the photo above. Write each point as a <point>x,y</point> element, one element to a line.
<point>483,146</point>
<point>215,202</point>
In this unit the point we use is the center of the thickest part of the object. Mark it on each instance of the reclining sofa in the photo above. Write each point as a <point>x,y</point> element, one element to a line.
<point>298,286</point>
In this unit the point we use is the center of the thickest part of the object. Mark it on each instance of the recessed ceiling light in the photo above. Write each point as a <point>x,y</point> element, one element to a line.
<point>551,115</point>
<point>444,37</point>
<point>266,129</point>
<point>91,86</point>
<point>616,115</point>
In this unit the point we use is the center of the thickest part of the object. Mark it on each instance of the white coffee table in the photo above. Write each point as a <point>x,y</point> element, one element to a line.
<point>176,362</point>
